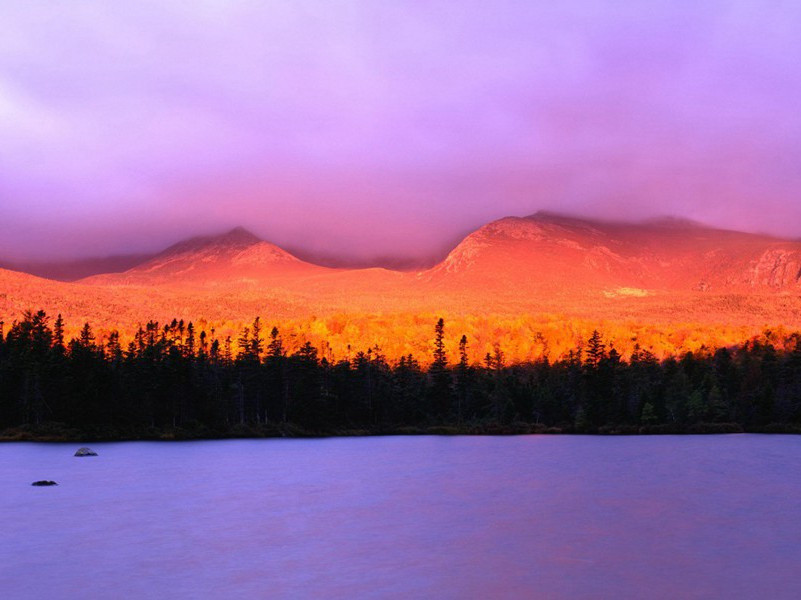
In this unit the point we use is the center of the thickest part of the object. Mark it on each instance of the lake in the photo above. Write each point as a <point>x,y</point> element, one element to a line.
<point>405,517</point>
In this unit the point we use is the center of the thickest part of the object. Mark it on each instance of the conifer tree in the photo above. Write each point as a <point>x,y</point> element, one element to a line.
<point>256,341</point>
<point>58,335</point>
<point>596,350</point>
<point>439,377</point>
<point>462,379</point>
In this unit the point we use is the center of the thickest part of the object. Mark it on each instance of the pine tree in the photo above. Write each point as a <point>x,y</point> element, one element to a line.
<point>463,383</point>
<point>596,350</point>
<point>278,381</point>
<point>58,335</point>
<point>244,344</point>
<point>275,349</point>
<point>440,357</point>
<point>256,341</point>
<point>87,338</point>
<point>189,343</point>
<point>439,378</point>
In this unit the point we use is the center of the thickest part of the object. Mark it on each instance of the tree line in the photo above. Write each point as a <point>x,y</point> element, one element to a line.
<point>172,378</point>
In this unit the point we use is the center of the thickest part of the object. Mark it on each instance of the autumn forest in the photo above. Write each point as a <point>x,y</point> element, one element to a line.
<point>175,381</point>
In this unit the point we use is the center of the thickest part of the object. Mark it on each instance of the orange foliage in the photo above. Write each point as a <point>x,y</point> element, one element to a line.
<point>526,327</point>
<point>522,338</point>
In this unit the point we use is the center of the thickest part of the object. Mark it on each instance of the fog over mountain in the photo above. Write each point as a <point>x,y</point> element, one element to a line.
<point>381,129</point>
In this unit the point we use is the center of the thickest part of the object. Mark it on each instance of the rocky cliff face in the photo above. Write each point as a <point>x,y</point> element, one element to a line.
<point>775,268</point>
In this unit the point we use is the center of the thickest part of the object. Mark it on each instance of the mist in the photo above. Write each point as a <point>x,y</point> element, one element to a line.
<point>364,132</point>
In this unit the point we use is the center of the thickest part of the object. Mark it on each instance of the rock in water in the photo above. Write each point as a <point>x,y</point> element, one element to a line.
<point>85,452</point>
<point>44,482</point>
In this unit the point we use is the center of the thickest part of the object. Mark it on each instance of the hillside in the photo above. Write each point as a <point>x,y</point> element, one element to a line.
<point>537,285</point>
<point>562,255</point>
<point>234,258</point>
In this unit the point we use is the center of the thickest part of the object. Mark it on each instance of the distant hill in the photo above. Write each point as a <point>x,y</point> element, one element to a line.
<point>233,258</point>
<point>551,253</point>
<point>543,253</point>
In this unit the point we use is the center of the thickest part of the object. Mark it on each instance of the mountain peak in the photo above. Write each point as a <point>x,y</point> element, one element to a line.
<point>545,215</point>
<point>234,257</point>
<point>240,234</point>
<point>238,237</point>
<point>550,216</point>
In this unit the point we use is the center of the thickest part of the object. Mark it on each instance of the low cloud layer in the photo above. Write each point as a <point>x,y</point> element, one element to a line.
<point>382,128</point>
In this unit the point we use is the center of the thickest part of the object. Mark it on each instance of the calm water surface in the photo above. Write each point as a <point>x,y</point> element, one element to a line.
<point>405,517</point>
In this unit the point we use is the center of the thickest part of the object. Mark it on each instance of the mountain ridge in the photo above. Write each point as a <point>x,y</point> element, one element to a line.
<point>76,269</point>
<point>533,281</point>
<point>550,251</point>
<point>546,252</point>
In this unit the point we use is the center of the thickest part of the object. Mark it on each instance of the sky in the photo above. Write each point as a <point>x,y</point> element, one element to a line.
<point>377,128</point>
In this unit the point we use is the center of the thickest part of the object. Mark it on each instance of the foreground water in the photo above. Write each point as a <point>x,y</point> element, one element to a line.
<point>405,517</point>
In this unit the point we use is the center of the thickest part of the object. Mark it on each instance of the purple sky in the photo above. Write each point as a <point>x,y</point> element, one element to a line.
<point>385,127</point>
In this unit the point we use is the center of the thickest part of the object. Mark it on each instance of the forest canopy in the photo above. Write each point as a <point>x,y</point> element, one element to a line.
<point>173,379</point>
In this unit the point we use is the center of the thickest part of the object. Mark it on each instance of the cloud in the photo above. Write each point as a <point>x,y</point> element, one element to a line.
<point>385,128</point>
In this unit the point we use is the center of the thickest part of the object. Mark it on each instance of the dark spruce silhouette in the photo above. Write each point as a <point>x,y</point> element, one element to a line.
<point>172,381</point>
<point>43,483</point>
<point>85,452</point>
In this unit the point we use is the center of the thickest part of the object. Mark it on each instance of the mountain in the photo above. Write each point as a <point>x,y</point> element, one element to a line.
<point>237,257</point>
<point>556,254</point>
<point>668,269</point>
<point>533,284</point>
<point>545,254</point>
<point>525,262</point>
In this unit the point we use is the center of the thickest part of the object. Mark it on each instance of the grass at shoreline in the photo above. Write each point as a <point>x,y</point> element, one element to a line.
<point>58,432</point>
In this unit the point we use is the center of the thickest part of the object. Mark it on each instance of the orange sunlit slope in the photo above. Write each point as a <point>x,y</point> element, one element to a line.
<point>536,286</point>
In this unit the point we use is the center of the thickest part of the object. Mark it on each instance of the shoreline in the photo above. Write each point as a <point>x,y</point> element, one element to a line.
<point>58,433</point>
